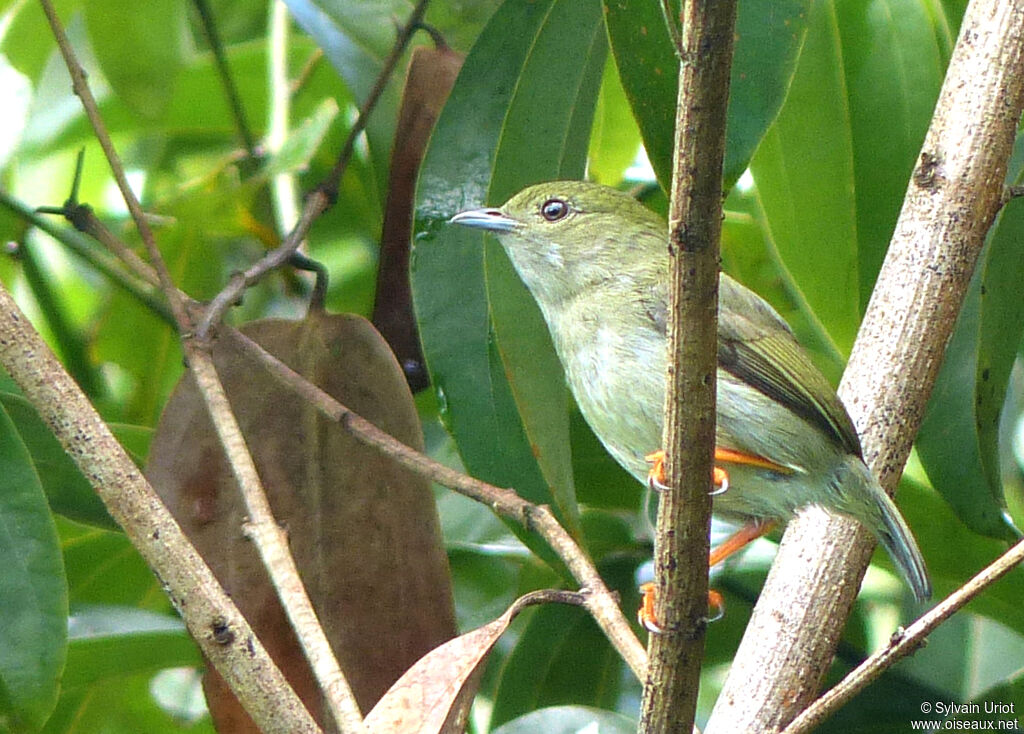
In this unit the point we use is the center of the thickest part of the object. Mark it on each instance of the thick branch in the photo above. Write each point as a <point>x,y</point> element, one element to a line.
<point>695,224</point>
<point>904,644</point>
<point>952,198</point>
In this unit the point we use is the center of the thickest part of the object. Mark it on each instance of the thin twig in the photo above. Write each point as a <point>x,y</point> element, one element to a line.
<point>600,601</point>
<point>81,88</point>
<point>268,538</point>
<point>224,72</point>
<point>321,198</point>
<point>903,644</point>
<point>272,542</point>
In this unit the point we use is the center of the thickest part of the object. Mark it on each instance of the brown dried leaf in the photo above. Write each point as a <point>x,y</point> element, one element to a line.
<point>431,74</point>
<point>364,532</point>
<point>433,697</point>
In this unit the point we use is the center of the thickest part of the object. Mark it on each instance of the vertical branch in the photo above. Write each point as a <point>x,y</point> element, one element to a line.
<point>954,194</point>
<point>695,222</point>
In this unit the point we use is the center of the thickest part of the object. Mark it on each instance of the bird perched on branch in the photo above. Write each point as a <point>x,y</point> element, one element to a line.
<point>596,261</point>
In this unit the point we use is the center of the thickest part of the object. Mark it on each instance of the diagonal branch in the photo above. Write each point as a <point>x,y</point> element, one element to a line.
<point>600,601</point>
<point>904,643</point>
<point>955,191</point>
<point>212,618</point>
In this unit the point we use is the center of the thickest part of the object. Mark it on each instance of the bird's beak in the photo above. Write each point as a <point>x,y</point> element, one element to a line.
<point>489,220</point>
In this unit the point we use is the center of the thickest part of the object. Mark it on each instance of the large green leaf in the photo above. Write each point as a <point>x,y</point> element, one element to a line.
<point>804,176</point>
<point>509,121</point>
<point>768,38</point>
<point>110,642</point>
<point>959,438</point>
<point>103,568</point>
<point>1000,334</point>
<point>140,47</point>
<point>615,140</point>
<point>33,591</point>
<point>831,176</point>
<point>558,141</point>
<point>893,58</point>
<point>67,490</point>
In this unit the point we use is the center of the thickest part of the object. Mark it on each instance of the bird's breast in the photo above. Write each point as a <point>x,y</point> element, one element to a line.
<point>617,375</point>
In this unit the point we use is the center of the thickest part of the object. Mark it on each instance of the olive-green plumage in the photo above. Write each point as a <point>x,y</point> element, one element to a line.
<point>596,261</point>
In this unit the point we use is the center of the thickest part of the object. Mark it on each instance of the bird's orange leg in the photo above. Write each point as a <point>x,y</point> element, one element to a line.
<point>719,476</point>
<point>739,540</point>
<point>732,544</point>
<point>656,476</point>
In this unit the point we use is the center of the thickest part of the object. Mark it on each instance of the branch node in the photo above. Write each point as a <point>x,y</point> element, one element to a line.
<point>926,173</point>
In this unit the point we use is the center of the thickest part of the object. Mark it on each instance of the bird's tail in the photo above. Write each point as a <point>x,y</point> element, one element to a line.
<point>894,534</point>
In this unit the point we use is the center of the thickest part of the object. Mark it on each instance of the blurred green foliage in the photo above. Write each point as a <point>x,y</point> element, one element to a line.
<point>830,103</point>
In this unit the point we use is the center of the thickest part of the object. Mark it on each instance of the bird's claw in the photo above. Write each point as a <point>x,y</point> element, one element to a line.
<point>645,614</point>
<point>656,476</point>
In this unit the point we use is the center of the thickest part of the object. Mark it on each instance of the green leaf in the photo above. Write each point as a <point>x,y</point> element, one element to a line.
<point>33,591</point>
<point>558,136</point>
<point>140,47</point>
<point>804,176</point>
<point>67,490</point>
<point>110,642</point>
<point>768,39</point>
<point>950,442</point>
<point>509,121</point>
<point>104,568</point>
<point>129,705</point>
<point>1001,330</point>
<point>615,140</point>
<point>959,439</point>
<point>561,657</point>
<point>569,720</point>
<point>893,62</point>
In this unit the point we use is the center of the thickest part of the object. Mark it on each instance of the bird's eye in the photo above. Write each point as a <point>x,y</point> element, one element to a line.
<point>554,209</point>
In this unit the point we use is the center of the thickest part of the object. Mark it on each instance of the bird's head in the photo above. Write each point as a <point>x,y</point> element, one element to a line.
<point>567,236</point>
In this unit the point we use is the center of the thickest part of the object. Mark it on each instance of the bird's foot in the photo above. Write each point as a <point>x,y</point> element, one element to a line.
<point>735,542</point>
<point>645,614</point>
<point>656,476</point>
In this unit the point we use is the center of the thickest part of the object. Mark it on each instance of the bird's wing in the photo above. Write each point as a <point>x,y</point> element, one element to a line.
<point>756,346</point>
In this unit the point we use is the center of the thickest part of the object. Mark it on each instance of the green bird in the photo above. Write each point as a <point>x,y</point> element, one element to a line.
<point>596,261</point>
